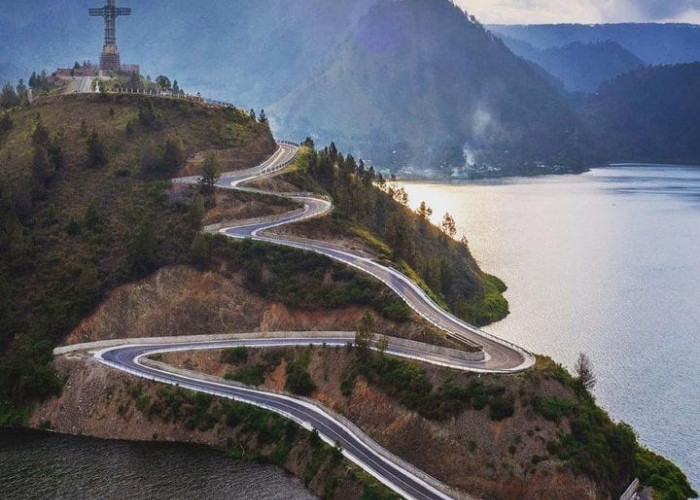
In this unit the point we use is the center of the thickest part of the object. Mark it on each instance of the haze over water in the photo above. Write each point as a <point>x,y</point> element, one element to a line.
<point>605,263</point>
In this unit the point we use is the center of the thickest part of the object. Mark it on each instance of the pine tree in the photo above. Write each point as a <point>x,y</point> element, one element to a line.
<point>424,211</point>
<point>96,149</point>
<point>9,97</point>
<point>364,333</point>
<point>209,173</point>
<point>448,225</point>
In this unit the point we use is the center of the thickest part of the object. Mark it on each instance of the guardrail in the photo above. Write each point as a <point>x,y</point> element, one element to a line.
<point>631,491</point>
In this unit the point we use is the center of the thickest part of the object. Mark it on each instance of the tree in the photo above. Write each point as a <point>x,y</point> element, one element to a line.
<point>76,65</point>
<point>209,173</point>
<point>364,333</point>
<point>147,115</point>
<point>40,136</point>
<point>263,118</point>
<point>9,97</point>
<point>448,225</point>
<point>96,150</point>
<point>251,114</point>
<point>383,345</point>
<point>163,82</point>
<point>173,155</point>
<point>135,81</point>
<point>424,211</point>
<point>42,171</point>
<point>176,87</point>
<point>5,123</point>
<point>584,371</point>
<point>401,195</point>
<point>21,90</point>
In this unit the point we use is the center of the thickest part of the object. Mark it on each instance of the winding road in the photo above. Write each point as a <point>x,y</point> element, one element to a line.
<point>499,356</point>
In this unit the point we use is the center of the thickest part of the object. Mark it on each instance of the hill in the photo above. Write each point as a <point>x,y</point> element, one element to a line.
<point>86,206</point>
<point>648,115</point>
<point>419,82</point>
<point>650,42</point>
<point>581,67</point>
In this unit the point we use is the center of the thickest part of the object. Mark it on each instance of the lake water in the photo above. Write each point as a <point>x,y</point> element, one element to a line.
<point>606,263</point>
<point>48,466</point>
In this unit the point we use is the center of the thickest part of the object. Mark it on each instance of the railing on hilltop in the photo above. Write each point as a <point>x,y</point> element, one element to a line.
<point>171,95</point>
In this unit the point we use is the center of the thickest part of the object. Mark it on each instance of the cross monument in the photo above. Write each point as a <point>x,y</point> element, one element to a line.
<point>109,60</point>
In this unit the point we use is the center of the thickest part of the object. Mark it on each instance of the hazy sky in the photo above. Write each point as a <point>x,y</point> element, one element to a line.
<point>582,11</point>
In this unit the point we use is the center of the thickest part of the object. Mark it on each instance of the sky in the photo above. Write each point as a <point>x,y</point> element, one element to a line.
<point>582,11</point>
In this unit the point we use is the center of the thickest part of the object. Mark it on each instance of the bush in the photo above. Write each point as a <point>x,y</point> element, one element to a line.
<point>249,375</point>
<point>234,355</point>
<point>553,408</point>
<point>298,379</point>
<point>96,150</point>
<point>666,478</point>
<point>502,407</point>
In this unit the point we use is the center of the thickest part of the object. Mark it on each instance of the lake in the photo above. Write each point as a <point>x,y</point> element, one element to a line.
<point>41,466</point>
<point>606,263</point>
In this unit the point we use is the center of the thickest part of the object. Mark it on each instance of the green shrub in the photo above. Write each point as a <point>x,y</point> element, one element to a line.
<point>298,379</point>
<point>12,416</point>
<point>502,407</point>
<point>143,402</point>
<point>553,408</point>
<point>666,478</point>
<point>249,375</point>
<point>234,355</point>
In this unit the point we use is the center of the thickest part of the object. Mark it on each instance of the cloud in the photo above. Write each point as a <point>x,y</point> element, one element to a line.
<point>581,11</point>
<point>666,9</point>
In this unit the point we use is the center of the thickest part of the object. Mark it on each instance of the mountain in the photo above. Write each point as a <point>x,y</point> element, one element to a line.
<point>581,67</point>
<point>653,43</point>
<point>649,115</point>
<point>418,82</point>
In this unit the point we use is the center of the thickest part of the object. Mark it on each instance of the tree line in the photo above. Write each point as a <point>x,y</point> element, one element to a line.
<point>364,199</point>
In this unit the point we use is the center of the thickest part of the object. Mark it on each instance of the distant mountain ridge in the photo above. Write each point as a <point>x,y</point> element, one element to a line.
<point>652,42</point>
<point>581,67</point>
<point>648,115</point>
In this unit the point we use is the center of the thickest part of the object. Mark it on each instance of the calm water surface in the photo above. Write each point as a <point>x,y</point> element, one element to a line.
<point>606,263</point>
<point>47,466</point>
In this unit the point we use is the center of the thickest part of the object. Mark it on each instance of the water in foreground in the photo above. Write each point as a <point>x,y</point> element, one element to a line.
<point>41,465</point>
<point>605,263</point>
